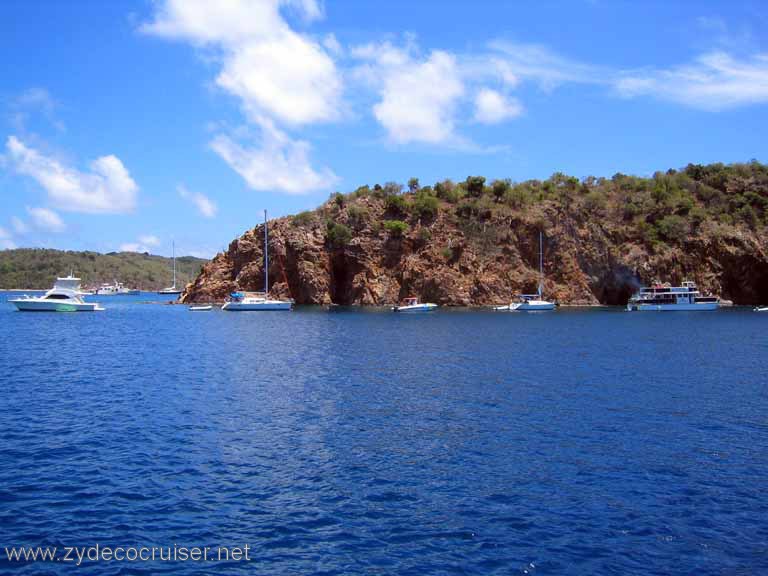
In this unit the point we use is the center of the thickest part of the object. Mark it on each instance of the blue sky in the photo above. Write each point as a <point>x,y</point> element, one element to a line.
<point>126,125</point>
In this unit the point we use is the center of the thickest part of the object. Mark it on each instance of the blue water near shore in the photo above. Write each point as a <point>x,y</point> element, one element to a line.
<point>365,442</point>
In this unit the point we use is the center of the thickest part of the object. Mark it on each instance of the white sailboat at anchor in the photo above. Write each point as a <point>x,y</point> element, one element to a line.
<point>248,302</point>
<point>532,302</point>
<point>172,290</point>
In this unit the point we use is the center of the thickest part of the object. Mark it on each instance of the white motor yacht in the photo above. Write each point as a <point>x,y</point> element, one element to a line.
<point>761,309</point>
<point>115,289</point>
<point>531,302</point>
<point>254,302</point>
<point>662,297</point>
<point>412,304</point>
<point>65,296</point>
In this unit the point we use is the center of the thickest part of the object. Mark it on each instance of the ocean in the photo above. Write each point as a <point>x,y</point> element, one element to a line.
<point>349,441</point>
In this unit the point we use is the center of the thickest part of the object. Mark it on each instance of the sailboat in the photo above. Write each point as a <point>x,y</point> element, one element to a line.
<point>172,290</point>
<point>532,302</point>
<point>247,302</point>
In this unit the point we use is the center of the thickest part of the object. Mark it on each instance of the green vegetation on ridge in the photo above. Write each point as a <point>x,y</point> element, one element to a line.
<point>664,209</point>
<point>38,268</point>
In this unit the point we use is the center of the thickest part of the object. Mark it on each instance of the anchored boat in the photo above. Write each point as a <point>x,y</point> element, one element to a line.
<point>531,302</point>
<point>65,296</point>
<point>661,297</point>
<point>172,290</point>
<point>254,302</point>
<point>412,304</point>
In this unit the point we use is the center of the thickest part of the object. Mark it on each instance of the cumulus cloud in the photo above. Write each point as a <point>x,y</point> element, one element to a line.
<point>204,205</point>
<point>46,219</point>
<point>274,162</point>
<point>106,188</point>
<point>715,81</point>
<point>271,68</point>
<point>492,107</point>
<point>418,96</point>
<point>277,74</point>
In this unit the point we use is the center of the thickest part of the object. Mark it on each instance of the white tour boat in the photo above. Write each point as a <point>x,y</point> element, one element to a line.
<point>531,302</point>
<point>254,302</point>
<point>65,296</point>
<point>412,304</point>
<point>172,290</point>
<point>667,297</point>
<point>115,289</point>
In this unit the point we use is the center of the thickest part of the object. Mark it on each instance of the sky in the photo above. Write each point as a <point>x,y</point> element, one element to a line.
<point>135,125</point>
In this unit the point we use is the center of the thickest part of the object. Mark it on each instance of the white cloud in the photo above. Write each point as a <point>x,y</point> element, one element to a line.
<point>271,68</point>
<point>107,188</point>
<point>419,97</point>
<point>514,62</point>
<point>149,240</point>
<point>145,244</point>
<point>204,205</point>
<point>277,74</point>
<point>46,219</point>
<point>715,81</point>
<point>4,233</point>
<point>18,225</point>
<point>286,76</point>
<point>275,163</point>
<point>491,107</point>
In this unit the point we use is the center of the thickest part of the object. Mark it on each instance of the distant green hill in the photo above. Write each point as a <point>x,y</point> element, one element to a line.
<point>38,268</point>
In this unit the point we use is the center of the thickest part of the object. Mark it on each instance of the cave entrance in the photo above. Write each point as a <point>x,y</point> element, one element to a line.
<point>616,287</point>
<point>341,279</point>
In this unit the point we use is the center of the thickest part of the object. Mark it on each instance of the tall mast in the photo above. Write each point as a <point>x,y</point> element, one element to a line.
<point>173,244</point>
<point>266,258</point>
<point>541,263</point>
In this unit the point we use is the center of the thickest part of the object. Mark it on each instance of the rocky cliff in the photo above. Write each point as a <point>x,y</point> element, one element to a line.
<point>476,244</point>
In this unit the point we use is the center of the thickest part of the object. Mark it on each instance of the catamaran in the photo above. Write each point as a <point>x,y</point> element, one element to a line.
<point>532,302</point>
<point>172,290</point>
<point>65,296</point>
<point>660,297</point>
<point>253,301</point>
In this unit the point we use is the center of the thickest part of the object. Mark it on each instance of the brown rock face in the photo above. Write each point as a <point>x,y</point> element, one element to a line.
<point>482,260</point>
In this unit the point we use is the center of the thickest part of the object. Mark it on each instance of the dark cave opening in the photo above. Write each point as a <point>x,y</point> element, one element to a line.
<point>341,279</point>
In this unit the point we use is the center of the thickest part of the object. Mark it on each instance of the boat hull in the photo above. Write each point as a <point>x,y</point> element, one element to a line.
<point>415,308</point>
<point>700,307</point>
<point>256,306</point>
<point>40,306</point>
<point>531,306</point>
<point>200,308</point>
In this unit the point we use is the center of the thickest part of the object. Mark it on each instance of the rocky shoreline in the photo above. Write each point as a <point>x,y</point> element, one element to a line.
<point>375,247</point>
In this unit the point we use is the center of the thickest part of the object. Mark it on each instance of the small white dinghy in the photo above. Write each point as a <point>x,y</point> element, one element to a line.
<point>200,308</point>
<point>413,305</point>
<point>761,309</point>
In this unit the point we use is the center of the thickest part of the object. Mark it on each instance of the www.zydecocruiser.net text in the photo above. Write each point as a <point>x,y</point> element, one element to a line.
<point>97,553</point>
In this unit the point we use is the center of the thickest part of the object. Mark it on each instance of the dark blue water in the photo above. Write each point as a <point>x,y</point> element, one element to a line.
<point>349,442</point>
